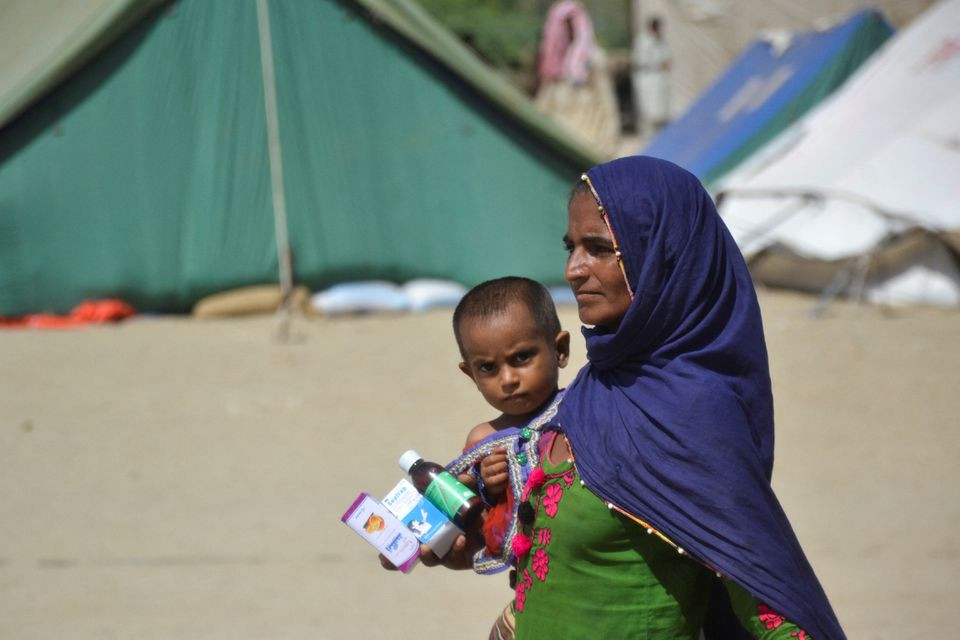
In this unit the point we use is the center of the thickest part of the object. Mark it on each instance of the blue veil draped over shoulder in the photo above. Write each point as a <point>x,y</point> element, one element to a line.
<point>672,417</point>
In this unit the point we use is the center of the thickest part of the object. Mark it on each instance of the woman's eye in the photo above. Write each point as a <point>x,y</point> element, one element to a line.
<point>568,247</point>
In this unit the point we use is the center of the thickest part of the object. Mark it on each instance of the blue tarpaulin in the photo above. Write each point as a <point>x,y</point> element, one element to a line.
<point>764,91</point>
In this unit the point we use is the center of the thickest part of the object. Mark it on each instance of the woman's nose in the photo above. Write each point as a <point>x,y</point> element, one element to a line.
<point>575,269</point>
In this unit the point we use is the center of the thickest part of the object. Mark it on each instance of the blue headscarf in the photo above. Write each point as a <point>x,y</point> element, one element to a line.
<point>672,417</point>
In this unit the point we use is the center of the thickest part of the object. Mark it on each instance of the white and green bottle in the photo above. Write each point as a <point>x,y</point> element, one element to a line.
<point>443,490</point>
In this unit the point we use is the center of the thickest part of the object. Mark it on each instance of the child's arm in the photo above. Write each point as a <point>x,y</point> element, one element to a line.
<point>494,473</point>
<point>475,435</point>
<point>493,468</point>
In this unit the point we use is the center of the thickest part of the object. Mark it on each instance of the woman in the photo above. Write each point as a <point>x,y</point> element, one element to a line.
<point>650,512</point>
<point>573,81</point>
<point>670,425</point>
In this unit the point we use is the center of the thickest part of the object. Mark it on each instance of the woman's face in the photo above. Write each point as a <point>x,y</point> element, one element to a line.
<point>592,268</point>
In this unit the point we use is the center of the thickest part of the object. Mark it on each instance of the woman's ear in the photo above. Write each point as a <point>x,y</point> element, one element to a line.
<point>563,348</point>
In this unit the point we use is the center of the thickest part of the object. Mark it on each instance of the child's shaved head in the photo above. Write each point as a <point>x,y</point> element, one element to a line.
<point>492,298</point>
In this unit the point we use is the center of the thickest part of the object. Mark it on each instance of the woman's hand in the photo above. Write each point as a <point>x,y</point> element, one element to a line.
<point>468,480</point>
<point>459,557</point>
<point>495,474</point>
<point>386,564</point>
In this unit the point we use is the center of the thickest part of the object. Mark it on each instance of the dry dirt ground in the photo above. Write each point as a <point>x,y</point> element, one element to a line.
<point>172,478</point>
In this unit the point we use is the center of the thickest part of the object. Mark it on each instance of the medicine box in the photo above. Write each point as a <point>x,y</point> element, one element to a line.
<point>391,537</point>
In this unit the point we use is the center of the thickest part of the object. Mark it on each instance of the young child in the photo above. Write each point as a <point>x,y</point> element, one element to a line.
<point>513,349</point>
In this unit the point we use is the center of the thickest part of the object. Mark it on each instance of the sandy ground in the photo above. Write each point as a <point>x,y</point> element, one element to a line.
<point>174,478</point>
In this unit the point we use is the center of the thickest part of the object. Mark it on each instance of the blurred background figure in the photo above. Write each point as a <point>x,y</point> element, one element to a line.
<point>573,84</point>
<point>651,77</point>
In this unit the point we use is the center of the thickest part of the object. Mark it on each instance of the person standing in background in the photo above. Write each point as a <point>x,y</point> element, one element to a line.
<point>573,82</point>
<point>651,77</point>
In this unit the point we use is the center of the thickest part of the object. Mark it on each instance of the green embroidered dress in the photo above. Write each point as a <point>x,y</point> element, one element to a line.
<point>593,572</point>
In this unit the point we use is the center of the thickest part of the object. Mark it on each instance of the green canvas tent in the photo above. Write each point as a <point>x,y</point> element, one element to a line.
<point>136,139</point>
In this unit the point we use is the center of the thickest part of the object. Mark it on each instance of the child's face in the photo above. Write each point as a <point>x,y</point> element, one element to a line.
<point>513,364</point>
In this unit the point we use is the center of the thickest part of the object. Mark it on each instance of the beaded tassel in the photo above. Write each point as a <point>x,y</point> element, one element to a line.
<point>606,220</point>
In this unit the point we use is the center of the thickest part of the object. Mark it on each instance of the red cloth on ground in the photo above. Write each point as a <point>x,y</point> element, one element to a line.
<point>87,312</point>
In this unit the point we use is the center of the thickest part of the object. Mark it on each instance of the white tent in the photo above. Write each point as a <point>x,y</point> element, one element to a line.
<point>865,191</point>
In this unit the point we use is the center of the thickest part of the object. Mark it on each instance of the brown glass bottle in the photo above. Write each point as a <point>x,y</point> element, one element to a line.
<point>443,490</point>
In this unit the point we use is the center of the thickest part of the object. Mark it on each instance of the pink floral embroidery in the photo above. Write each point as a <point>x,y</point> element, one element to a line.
<point>543,537</point>
<point>801,635</point>
<point>770,618</point>
<point>568,478</point>
<point>541,564</point>
<point>521,599</point>
<point>523,586</point>
<point>550,501</point>
<point>521,545</point>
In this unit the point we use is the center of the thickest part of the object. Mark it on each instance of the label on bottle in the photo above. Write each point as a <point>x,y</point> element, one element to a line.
<point>448,494</point>
<point>419,515</point>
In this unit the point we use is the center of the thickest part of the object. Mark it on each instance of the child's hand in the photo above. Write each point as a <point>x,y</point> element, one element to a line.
<point>493,471</point>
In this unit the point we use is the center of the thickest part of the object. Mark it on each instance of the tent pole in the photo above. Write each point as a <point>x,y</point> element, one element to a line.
<point>276,166</point>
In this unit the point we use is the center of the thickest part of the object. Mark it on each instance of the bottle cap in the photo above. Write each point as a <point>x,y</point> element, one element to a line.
<point>408,459</point>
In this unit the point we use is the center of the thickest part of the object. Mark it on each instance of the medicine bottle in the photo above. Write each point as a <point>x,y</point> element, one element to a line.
<point>443,490</point>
